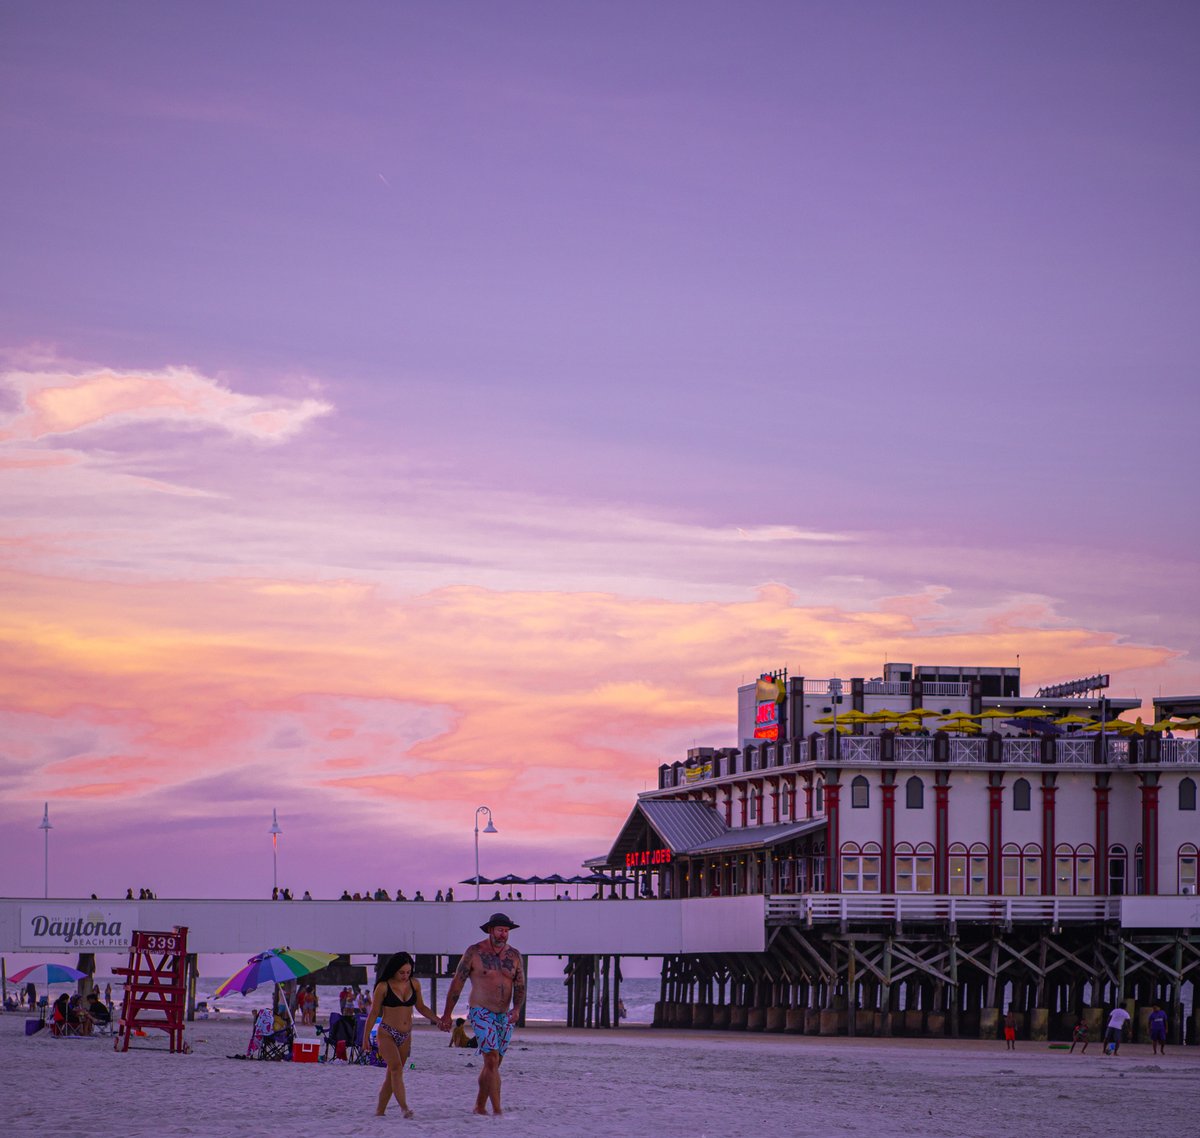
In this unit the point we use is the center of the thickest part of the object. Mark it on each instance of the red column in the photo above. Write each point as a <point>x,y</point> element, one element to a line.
<point>1048,838</point>
<point>995,837</point>
<point>1102,795</point>
<point>1150,838</point>
<point>887,876</point>
<point>833,867</point>
<point>941,841</point>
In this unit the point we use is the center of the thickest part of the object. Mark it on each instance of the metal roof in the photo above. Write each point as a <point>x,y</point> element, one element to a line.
<point>696,828</point>
<point>758,837</point>
<point>683,825</point>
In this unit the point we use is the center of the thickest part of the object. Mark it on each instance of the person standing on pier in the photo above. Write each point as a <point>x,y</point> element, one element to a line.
<point>497,981</point>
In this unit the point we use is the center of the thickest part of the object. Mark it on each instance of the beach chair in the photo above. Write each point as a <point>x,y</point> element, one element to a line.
<point>278,1045</point>
<point>344,1036</point>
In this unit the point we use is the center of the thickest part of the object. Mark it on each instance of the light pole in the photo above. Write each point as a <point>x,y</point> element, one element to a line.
<point>488,829</point>
<point>45,827</point>
<point>274,831</point>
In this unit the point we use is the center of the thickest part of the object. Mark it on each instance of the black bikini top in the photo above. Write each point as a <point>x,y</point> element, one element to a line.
<point>391,1000</point>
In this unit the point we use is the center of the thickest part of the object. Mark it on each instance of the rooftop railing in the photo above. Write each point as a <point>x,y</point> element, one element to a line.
<point>1072,751</point>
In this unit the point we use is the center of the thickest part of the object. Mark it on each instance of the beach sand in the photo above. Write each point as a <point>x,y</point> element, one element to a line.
<point>633,1082</point>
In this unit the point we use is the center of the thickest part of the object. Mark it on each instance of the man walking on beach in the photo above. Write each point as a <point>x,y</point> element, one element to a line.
<point>1114,1031</point>
<point>497,979</point>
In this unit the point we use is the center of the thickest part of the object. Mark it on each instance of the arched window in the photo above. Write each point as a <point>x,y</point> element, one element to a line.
<point>1021,870</point>
<point>1085,870</point>
<point>979,870</point>
<point>1187,794</point>
<point>1064,870</point>
<point>1139,870</point>
<point>1031,870</point>
<point>1188,859</point>
<point>1020,797</point>
<point>914,794</point>
<point>1011,870</point>
<point>860,868</point>
<point>819,795</point>
<point>956,864</point>
<point>1117,858</point>
<point>860,793</point>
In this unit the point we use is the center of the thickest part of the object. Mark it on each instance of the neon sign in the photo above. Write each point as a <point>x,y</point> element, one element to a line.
<point>769,695</point>
<point>641,858</point>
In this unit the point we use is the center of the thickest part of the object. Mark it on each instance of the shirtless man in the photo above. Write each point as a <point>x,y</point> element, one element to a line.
<point>497,978</point>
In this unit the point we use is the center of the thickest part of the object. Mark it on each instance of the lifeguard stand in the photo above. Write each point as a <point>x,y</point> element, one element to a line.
<point>154,987</point>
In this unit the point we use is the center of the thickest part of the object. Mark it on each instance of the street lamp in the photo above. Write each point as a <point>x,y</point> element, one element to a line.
<point>488,829</point>
<point>274,831</point>
<point>45,827</point>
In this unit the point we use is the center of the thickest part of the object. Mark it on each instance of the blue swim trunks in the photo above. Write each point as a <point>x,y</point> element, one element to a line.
<point>492,1029</point>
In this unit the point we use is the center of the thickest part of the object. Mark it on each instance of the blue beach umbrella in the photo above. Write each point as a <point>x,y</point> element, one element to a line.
<point>47,974</point>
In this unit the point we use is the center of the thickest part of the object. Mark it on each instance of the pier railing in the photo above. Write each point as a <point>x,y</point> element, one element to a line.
<point>940,908</point>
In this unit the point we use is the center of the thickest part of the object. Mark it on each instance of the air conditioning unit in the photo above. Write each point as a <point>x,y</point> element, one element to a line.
<point>1188,890</point>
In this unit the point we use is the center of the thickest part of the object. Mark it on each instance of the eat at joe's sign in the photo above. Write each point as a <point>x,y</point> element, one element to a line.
<point>640,858</point>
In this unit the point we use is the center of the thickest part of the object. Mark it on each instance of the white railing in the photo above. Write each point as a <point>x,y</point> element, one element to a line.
<point>1074,752</point>
<point>939,907</point>
<point>859,749</point>
<point>1118,751</point>
<point>913,750</point>
<point>887,687</point>
<point>968,750</point>
<point>816,687</point>
<point>938,687</point>
<point>821,748</point>
<point>1021,751</point>
<point>1179,751</point>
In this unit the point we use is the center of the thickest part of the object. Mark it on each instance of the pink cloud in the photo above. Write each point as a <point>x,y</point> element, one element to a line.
<point>57,403</point>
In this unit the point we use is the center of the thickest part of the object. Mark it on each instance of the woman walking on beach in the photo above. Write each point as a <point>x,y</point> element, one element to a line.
<point>396,993</point>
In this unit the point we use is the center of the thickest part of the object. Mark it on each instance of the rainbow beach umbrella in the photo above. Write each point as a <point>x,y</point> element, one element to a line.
<point>275,966</point>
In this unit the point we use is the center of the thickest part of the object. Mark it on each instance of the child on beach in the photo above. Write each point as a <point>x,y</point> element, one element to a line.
<point>1079,1034</point>
<point>1010,1031</point>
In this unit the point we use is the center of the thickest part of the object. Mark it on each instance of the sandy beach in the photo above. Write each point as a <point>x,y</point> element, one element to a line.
<point>636,1081</point>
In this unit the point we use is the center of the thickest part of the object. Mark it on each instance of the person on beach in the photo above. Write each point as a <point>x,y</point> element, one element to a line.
<point>1114,1030</point>
<point>1157,1024</point>
<point>1079,1034</point>
<point>1010,1031</point>
<point>497,980</point>
<point>396,993</point>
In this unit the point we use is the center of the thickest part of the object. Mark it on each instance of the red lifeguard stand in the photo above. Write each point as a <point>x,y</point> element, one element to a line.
<point>155,987</point>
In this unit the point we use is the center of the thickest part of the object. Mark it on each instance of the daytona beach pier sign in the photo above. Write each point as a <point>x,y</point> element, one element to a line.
<point>79,925</point>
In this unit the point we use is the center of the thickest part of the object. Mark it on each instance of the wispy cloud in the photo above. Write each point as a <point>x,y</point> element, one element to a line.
<point>59,403</point>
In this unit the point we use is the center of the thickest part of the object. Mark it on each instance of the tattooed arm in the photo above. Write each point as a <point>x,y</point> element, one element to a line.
<point>518,991</point>
<point>461,975</point>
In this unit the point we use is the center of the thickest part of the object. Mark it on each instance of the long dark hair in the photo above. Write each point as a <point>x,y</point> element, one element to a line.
<point>394,963</point>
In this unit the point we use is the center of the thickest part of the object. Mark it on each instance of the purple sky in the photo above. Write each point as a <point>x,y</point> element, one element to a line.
<point>407,406</point>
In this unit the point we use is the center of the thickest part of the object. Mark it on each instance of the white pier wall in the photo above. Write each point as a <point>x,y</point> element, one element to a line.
<point>548,928</point>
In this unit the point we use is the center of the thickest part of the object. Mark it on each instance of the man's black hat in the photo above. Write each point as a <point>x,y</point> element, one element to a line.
<point>498,919</point>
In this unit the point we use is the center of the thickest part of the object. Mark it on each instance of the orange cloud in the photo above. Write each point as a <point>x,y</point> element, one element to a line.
<point>554,707</point>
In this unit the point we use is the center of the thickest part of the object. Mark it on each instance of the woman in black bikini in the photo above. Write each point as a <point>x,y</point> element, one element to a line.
<point>396,994</point>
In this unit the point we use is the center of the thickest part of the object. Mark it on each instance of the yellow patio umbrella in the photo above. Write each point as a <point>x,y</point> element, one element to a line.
<point>1031,713</point>
<point>994,713</point>
<point>1189,724</point>
<point>851,716</point>
<point>1163,725</point>
<point>907,723</point>
<point>921,712</point>
<point>960,715</point>
<point>1069,720</point>
<point>884,715</point>
<point>1122,726</point>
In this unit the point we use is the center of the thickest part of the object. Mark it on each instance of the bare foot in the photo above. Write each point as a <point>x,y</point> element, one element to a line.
<point>407,1113</point>
<point>379,1114</point>
<point>479,1110</point>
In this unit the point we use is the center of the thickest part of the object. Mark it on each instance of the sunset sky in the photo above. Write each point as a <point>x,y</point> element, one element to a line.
<point>406,406</point>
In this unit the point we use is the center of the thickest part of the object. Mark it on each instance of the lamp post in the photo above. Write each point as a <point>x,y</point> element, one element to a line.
<point>45,827</point>
<point>274,831</point>
<point>488,829</point>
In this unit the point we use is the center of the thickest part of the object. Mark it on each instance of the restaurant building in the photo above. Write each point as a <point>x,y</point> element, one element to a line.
<point>937,802</point>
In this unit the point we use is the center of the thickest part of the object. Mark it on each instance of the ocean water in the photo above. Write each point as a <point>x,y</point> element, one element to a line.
<point>546,1001</point>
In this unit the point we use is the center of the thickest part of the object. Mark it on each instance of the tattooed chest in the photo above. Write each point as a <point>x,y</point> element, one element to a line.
<point>505,963</point>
